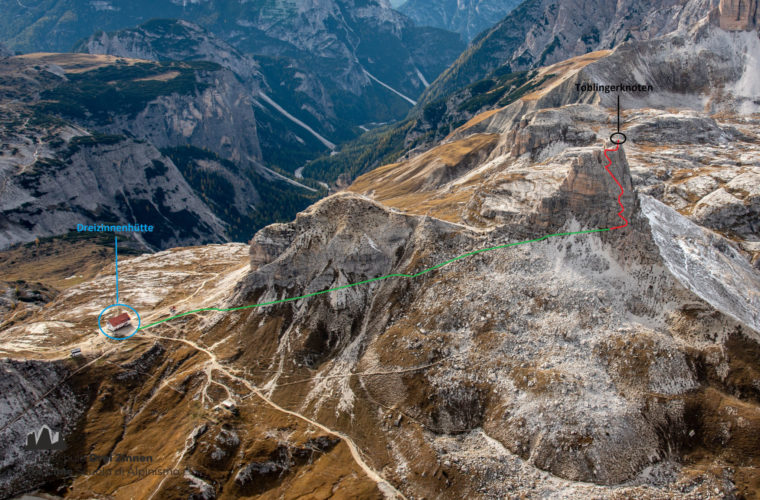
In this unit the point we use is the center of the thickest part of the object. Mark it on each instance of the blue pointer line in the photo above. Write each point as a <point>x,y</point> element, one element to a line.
<point>116,253</point>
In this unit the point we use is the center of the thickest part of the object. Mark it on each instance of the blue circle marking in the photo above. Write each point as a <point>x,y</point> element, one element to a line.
<point>139,321</point>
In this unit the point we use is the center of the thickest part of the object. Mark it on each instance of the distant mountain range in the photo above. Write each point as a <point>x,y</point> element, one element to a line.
<point>473,320</point>
<point>346,42</point>
<point>466,17</point>
<point>499,67</point>
<point>338,66</point>
<point>93,138</point>
<point>289,81</point>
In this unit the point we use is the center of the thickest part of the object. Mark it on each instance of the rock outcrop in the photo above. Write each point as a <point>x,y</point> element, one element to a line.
<point>591,197</point>
<point>542,32</point>
<point>174,147</point>
<point>739,15</point>
<point>21,385</point>
<point>56,195</point>
<point>327,246</point>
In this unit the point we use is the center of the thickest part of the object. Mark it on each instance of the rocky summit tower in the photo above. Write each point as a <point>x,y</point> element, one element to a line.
<point>739,15</point>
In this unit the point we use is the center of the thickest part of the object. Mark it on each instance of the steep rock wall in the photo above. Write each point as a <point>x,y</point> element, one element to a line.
<point>739,15</point>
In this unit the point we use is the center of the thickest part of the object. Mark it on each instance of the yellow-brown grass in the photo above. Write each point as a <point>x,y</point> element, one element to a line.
<point>414,185</point>
<point>77,63</point>
<point>55,262</point>
<point>163,77</point>
<point>563,70</point>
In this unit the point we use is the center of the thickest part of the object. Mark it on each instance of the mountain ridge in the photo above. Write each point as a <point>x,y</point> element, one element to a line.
<point>592,364</point>
<point>541,32</point>
<point>323,32</point>
<point>180,133</point>
<point>500,66</point>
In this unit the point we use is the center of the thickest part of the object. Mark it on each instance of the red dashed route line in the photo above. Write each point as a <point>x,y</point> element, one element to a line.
<point>620,196</point>
<point>372,474</point>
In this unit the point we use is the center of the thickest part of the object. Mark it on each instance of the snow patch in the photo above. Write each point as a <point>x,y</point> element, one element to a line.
<point>371,242</point>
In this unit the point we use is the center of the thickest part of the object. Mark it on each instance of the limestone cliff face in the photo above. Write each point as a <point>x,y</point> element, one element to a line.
<point>125,182</point>
<point>467,17</point>
<point>21,385</point>
<point>739,15</point>
<point>220,118</point>
<point>181,153</point>
<point>161,40</point>
<point>542,32</point>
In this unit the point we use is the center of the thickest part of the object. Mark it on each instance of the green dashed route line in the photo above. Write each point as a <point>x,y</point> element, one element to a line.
<point>388,276</point>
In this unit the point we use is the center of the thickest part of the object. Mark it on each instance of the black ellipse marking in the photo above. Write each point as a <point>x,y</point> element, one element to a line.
<point>619,140</point>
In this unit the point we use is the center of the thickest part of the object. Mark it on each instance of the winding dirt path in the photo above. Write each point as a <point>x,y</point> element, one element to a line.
<point>385,487</point>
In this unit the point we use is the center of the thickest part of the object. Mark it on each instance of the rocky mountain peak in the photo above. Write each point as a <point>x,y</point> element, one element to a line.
<point>739,15</point>
<point>592,198</point>
<point>178,40</point>
<point>474,320</point>
<point>542,32</point>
